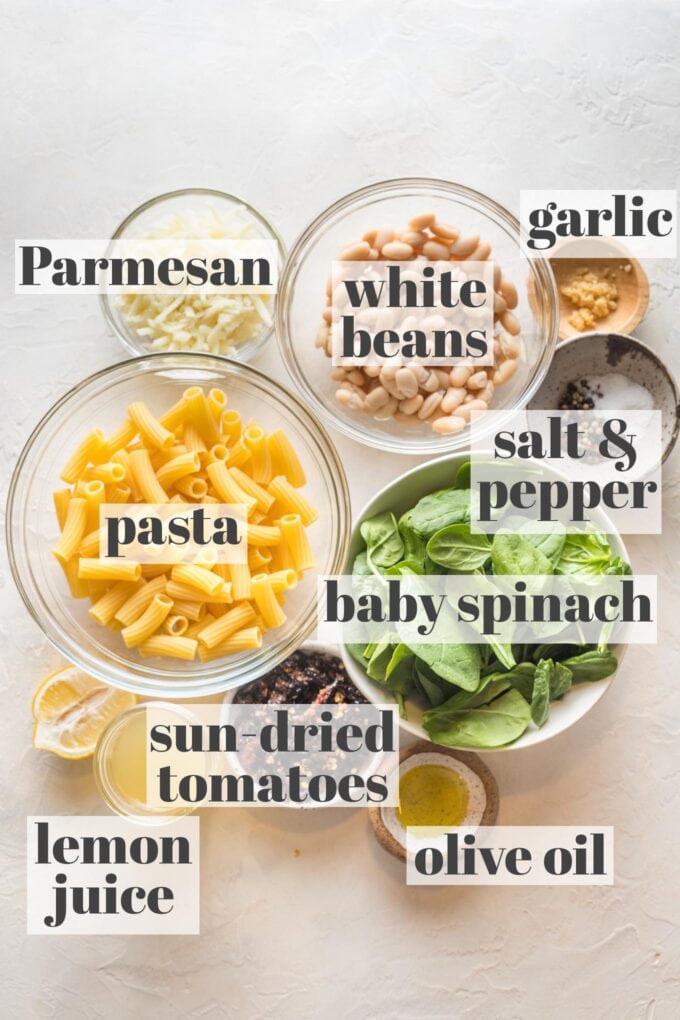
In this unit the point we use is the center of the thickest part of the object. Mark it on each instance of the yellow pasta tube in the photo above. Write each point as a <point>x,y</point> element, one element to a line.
<point>263,499</point>
<point>217,401</point>
<point>111,473</point>
<point>218,452</point>
<point>90,544</point>
<point>175,415</point>
<point>78,588</point>
<point>187,593</point>
<point>149,427</point>
<point>123,435</point>
<point>295,537</point>
<point>198,577</point>
<point>242,641</point>
<point>283,580</point>
<point>195,628</point>
<point>148,622</point>
<point>255,440</point>
<point>239,454</point>
<point>119,494</point>
<point>73,532</point>
<point>106,607</point>
<point>193,611</point>
<point>266,602</point>
<point>237,618</point>
<point>61,500</point>
<point>193,488</point>
<point>90,569</point>
<point>259,559</point>
<point>240,581</point>
<point>145,479</point>
<point>135,605</point>
<point>93,449</point>
<point>154,569</point>
<point>178,467</point>
<point>284,458</point>
<point>171,645</point>
<point>226,486</point>
<point>123,457</point>
<point>175,624</point>
<point>231,425</point>
<point>201,415</point>
<point>193,440</point>
<point>95,589</point>
<point>94,494</point>
<point>292,501</point>
<point>262,534</point>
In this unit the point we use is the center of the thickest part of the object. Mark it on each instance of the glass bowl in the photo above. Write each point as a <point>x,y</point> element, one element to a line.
<point>32,529</point>
<point>302,289</point>
<point>145,217</point>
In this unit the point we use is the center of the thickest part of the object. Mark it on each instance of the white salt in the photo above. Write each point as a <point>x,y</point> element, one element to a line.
<point>615,392</point>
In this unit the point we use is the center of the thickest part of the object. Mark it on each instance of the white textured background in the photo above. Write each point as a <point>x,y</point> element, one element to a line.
<point>291,105</point>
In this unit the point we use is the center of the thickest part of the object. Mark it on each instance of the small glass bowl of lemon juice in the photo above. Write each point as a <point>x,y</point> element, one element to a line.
<point>120,764</point>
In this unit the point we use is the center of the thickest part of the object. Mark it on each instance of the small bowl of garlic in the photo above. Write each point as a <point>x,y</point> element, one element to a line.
<point>206,318</point>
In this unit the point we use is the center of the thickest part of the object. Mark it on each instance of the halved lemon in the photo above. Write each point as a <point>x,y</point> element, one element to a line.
<point>71,709</point>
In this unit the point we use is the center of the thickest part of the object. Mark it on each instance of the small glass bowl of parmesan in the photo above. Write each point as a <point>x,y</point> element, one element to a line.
<point>234,322</point>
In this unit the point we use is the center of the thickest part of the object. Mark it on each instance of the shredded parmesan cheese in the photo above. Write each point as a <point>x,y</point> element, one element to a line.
<point>204,321</point>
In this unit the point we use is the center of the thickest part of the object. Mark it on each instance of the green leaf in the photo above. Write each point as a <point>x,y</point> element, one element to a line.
<point>490,687</point>
<point>521,677</point>
<point>379,661</point>
<point>463,476</point>
<point>585,553</point>
<point>384,546</point>
<point>540,695</point>
<point>548,537</point>
<point>493,725</point>
<point>455,548</point>
<point>457,664</point>
<point>400,670</point>
<point>591,666</point>
<point>513,554</point>
<point>439,509</point>
<point>560,681</point>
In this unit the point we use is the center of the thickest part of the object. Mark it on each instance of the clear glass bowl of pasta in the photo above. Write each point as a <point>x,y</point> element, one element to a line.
<point>392,205</point>
<point>101,402</point>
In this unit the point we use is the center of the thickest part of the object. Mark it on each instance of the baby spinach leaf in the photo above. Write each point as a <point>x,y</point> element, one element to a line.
<point>554,652</point>
<point>457,664</point>
<point>384,546</point>
<point>547,536</point>
<point>493,725</point>
<point>414,544</point>
<point>590,666</point>
<point>521,677</point>
<point>540,695</point>
<point>432,687</point>
<point>514,554</point>
<point>463,475</point>
<point>379,661</point>
<point>400,670</point>
<point>455,548</point>
<point>490,687</point>
<point>560,681</point>
<point>587,552</point>
<point>358,652</point>
<point>439,509</point>
<point>360,566</point>
<point>405,567</point>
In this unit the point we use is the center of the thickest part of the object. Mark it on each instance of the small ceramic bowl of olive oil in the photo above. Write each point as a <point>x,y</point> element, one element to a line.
<point>437,788</point>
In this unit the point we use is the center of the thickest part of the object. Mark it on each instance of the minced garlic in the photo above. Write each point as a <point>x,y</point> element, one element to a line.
<point>594,297</point>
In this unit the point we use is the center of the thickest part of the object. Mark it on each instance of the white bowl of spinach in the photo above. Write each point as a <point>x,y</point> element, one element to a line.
<point>475,696</point>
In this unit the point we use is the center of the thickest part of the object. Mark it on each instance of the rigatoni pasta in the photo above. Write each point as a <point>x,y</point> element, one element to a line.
<point>196,451</point>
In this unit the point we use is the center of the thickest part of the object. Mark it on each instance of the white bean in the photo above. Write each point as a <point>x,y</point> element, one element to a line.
<point>445,230</point>
<point>464,246</point>
<point>459,375</point>
<point>434,250</point>
<point>339,374</point>
<point>377,398</point>
<point>383,237</point>
<point>499,304</point>
<point>431,383</point>
<point>356,376</point>
<point>412,405</point>
<point>449,426</point>
<point>474,405</point>
<point>387,410</point>
<point>407,382</point>
<point>477,381</point>
<point>510,323</point>
<point>509,292</point>
<point>421,221</point>
<point>505,371</point>
<point>487,393</point>
<point>400,251</point>
<point>416,238</point>
<point>356,252</point>
<point>349,399</point>
<point>454,396</point>
<point>430,404</point>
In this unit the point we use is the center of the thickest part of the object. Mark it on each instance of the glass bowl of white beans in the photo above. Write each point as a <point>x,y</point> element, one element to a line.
<point>402,407</point>
<point>67,615</point>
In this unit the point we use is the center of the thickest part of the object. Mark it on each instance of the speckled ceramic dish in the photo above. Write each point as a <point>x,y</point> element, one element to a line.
<point>596,354</point>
